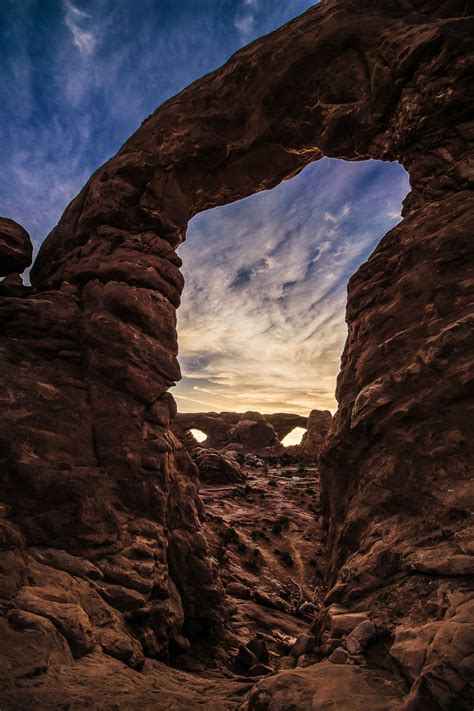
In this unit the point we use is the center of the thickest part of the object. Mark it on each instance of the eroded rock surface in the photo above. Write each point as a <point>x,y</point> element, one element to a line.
<point>253,433</point>
<point>94,481</point>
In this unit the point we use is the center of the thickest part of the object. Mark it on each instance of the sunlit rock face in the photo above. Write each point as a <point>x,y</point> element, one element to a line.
<point>103,551</point>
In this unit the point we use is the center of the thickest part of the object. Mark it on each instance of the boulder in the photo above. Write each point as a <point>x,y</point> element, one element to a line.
<point>254,434</point>
<point>216,468</point>
<point>16,249</point>
<point>328,686</point>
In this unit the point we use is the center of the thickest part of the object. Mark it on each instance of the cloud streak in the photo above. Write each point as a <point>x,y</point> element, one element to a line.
<point>75,19</point>
<point>69,103</point>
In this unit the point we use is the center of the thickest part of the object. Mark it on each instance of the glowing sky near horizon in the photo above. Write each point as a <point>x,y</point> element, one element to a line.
<point>262,321</point>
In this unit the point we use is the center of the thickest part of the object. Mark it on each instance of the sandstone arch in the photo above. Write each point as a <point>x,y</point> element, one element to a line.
<point>93,469</point>
<point>284,423</point>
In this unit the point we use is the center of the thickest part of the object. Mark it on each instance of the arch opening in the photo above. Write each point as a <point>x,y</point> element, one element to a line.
<point>295,437</point>
<point>198,435</point>
<point>261,325</point>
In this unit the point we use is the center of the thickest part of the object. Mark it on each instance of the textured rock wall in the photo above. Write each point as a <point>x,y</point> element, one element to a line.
<point>89,466</point>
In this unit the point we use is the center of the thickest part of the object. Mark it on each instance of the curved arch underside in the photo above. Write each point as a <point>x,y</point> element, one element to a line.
<point>94,470</point>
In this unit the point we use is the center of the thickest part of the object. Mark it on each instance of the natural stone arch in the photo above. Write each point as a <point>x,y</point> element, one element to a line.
<point>283,423</point>
<point>219,426</point>
<point>213,424</point>
<point>353,80</point>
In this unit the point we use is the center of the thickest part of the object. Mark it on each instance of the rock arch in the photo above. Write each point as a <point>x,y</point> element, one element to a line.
<point>91,352</point>
<point>283,423</point>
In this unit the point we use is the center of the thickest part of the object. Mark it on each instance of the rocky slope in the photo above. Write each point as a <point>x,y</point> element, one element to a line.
<point>105,569</point>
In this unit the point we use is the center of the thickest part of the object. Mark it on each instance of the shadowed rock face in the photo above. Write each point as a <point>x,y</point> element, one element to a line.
<point>102,548</point>
<point>16,250</point>
<point>216,426</point>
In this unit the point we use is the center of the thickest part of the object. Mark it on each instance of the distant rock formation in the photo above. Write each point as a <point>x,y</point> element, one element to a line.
<point>318,425</point>
<point>284,422</point>
<point>216,426</point>
<point>104,565</point>
<point>250,431</point>
<point>254,433</point>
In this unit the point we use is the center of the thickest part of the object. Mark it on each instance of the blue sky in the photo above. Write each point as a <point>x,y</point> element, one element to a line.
<point>262,320</point>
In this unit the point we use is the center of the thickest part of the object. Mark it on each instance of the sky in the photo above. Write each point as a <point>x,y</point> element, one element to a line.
<point>261,324</point>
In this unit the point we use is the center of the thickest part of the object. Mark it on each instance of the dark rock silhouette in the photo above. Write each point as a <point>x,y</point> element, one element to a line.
<point>104,565</point>
<point>16,250</point>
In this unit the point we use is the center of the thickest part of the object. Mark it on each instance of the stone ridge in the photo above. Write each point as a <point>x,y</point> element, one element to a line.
<point>104,561</point>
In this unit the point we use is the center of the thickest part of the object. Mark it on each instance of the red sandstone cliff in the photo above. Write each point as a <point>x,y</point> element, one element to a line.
<point>103,558</point>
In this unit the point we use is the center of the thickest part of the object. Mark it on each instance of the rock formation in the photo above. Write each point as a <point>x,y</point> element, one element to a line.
<point>216,468</point>
<point>16,250</point>
<point>216,426</point>
<point>318,426</point>
<point>253,433</point>
<point>103,558</point>
<point>284,422</point>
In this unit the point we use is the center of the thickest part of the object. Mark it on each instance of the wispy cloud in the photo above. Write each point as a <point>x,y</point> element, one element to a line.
<point>245,25</point>
<point>76,19</point>
<point>69,103</point>
<point>246,19</point>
